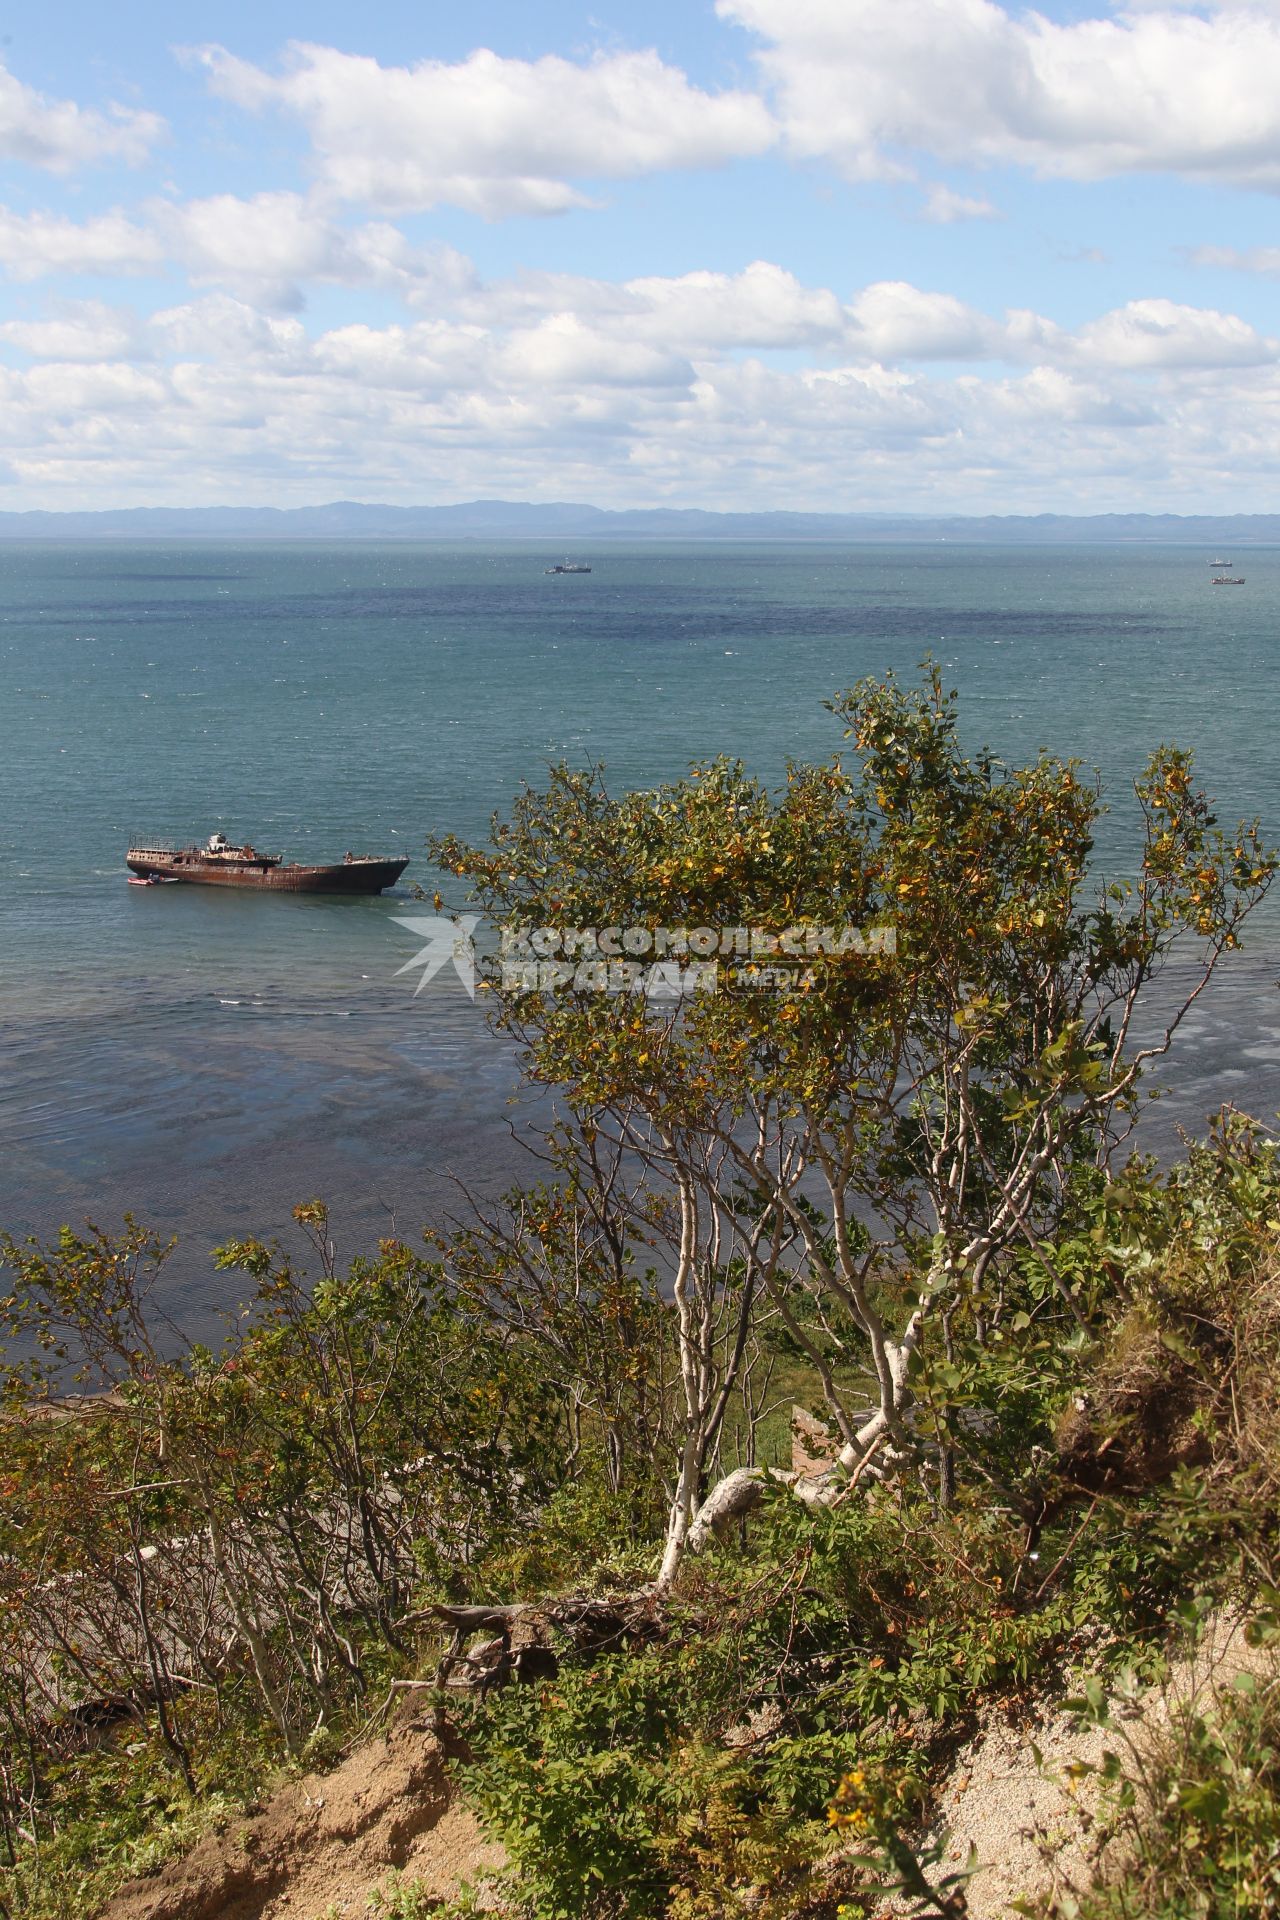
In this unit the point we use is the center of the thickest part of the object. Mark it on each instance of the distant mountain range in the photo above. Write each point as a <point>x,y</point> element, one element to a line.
<point>521,520</point>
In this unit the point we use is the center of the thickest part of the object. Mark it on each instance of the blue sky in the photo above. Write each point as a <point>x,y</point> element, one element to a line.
<point>907,255</point>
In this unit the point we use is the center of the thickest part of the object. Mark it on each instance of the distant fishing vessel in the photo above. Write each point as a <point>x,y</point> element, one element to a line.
<point>568,566</point>
<point>1228,580</point>
<point>219,864</point>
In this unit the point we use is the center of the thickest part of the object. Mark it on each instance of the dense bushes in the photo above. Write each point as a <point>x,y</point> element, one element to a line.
<point>212,1556</point>
<point>861,1641</point>
<point>230,1554</point>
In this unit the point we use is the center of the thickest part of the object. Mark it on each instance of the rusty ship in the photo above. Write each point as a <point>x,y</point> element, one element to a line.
<point>218,864</point>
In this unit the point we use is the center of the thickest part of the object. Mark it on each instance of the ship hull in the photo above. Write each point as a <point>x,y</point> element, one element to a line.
<point>355,876</point>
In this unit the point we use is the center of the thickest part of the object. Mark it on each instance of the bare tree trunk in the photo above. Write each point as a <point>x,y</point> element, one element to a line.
<point>248,1628</point>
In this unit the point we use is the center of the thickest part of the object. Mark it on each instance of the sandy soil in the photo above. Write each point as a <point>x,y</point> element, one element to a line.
<point>1034,1828</point>
<point>321,1846</point>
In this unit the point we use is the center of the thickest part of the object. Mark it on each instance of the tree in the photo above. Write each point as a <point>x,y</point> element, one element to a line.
<point>863,1036</point>
<point>269,1508</point>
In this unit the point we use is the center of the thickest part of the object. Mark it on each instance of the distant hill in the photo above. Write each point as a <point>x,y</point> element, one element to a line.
<point>522,520</point>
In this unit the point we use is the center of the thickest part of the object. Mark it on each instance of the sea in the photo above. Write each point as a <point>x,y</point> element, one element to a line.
<point>205,1059</point>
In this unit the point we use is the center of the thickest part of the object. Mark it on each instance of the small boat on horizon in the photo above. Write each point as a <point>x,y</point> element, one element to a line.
<point>1228,580</point>
<point>219,864</point>
<point>568,566</point>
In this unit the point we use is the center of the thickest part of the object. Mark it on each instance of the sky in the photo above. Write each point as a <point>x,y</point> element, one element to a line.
<point>908,256</point>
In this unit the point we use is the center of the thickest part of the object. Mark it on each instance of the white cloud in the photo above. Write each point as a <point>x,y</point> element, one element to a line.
<point>1236,259</point>
<point>870,83</point>
<point>218,328</point>
<point>35,244</point>
<point>490,135</point>
<point>81,330</point>
<point>944,206</point>
<point>763,306</point>
<point>268,248</point>
<point>1029,336</point>
<point>106,387</point>
<point>433,357</point>
<point>272,239</point>
<point>380,413</point>
<point>1160,333</point>
<point>60,136</point>
<point>898,321</point>
<point>258,256</point>
<point>1059,403</point>
<point>563,352</point>
<point>630,392</point>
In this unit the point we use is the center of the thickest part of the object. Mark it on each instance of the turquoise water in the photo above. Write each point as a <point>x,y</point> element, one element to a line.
<point>207,1058</point>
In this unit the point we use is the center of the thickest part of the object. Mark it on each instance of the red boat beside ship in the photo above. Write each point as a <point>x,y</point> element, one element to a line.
<point>219,864</point>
